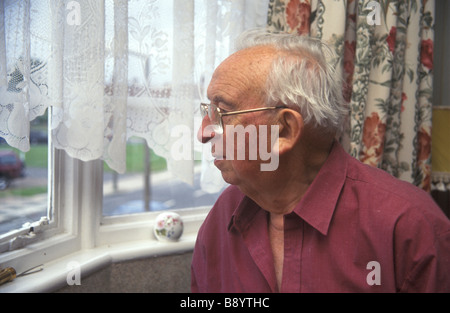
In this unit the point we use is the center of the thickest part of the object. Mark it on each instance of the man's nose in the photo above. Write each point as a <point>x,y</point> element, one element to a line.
<point>205,133</point>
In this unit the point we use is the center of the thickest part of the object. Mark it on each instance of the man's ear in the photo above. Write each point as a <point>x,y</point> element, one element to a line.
<point>291,129</point>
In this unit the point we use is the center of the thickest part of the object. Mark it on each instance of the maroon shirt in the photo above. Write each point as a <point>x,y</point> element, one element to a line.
<point>351,215</point>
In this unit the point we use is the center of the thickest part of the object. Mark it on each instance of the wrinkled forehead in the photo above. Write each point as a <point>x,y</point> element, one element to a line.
<point>243,74</point>
<point>254,61</point>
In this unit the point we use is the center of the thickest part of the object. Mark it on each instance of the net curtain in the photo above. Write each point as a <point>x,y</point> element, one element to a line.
<point>111,70</point>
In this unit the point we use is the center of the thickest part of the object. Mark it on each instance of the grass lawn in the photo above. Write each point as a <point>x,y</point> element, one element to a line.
<point>38,156</point>
<point>23,192</point>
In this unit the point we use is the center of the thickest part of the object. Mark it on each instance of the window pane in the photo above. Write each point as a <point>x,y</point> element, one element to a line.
<point>24,179</point>
<point>132,193</point>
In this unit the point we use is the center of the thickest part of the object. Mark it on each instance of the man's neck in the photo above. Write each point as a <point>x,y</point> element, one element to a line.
<point>290,181</point>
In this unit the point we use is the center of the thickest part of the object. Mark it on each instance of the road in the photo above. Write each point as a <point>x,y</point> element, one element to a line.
<point>165,194</point>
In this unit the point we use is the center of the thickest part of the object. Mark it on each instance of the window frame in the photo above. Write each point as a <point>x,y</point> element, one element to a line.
<point>139,226</point>
<point>58,238</point>
<point>77,226</point>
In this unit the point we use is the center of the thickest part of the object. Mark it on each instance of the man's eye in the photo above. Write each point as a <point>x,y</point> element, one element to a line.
<point>223,110</point>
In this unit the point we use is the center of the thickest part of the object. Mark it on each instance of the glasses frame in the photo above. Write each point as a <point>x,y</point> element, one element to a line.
<point>205,111</point>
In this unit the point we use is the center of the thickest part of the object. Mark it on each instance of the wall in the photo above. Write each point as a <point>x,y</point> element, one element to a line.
<point>170,273</point>
<point>441,54</point>
<point>441,92</point>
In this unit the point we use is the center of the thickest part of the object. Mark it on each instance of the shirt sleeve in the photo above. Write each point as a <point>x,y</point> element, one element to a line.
<point>423,253</point>
<point>431,273</point>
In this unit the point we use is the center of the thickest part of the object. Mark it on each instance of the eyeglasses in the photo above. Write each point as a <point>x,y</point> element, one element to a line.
<point>215,113</point>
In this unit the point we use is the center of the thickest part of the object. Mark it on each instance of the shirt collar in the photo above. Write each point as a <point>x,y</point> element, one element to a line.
<point>319,202</point>
<point>312,208</point>
<point>244,214</point>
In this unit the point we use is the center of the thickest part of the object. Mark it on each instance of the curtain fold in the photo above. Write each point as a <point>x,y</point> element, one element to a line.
<point>384,50</point>
<point>15,81</point>
<point>78,122</point>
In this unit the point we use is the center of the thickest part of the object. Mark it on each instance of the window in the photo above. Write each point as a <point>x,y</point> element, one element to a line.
<point>24,180</point>
<point>26,202</point>
<point>107,87</point>
<point>147,186</point>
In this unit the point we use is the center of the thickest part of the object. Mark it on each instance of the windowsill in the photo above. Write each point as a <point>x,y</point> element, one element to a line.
<point>54,274</point>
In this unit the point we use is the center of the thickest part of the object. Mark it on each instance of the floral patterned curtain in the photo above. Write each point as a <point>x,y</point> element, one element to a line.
<point>385,52</point>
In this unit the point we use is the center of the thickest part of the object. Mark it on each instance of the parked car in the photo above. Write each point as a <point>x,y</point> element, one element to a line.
<point>11,167</point>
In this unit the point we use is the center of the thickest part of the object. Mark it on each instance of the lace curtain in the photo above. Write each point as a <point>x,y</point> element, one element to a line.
<point>114,69</point>
<point>387,65</point>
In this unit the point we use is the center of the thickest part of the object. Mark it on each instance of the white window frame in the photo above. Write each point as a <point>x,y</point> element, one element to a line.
<point>138,226</point>
<point>59,236</point>
<point>79,232</point>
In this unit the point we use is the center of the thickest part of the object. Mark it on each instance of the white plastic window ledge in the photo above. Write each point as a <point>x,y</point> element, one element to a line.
<point>53,236</point>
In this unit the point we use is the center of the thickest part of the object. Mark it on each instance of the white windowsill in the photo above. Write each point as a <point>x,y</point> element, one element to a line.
<point>54,274</point>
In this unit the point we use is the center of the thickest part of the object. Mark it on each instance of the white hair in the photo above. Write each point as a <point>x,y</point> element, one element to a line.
<point>301,76</point>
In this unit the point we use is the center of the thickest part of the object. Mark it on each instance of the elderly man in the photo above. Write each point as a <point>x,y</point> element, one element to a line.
<point>320,221</point>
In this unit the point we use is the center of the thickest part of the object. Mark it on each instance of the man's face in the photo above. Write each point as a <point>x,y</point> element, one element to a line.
<point>237,84</point>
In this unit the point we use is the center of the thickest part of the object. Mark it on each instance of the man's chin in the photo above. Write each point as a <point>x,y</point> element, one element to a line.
<point>219,163</point>
<point>228,174</point>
